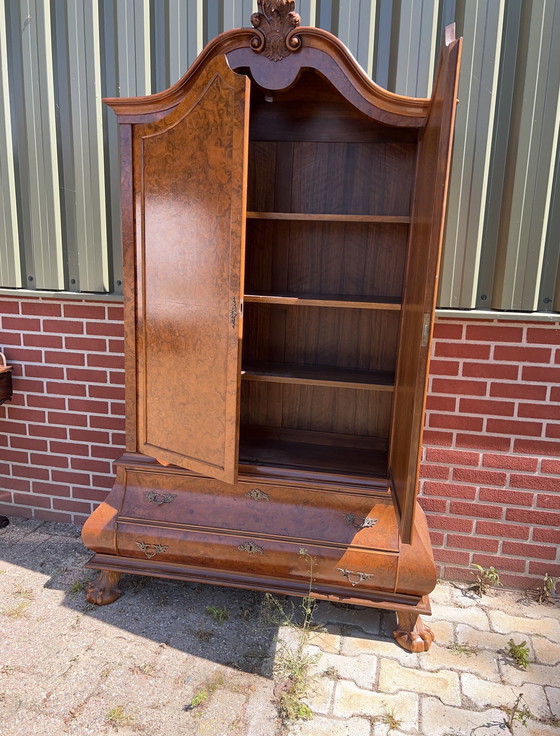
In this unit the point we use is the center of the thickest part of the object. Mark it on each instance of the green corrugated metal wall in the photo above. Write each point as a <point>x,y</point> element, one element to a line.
<point>59,207</point>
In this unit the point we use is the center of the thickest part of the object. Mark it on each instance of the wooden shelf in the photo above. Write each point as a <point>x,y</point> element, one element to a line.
<point>337,454</point>
<point>325,300</point>
<point>317,375</point>
<point>328,217</point>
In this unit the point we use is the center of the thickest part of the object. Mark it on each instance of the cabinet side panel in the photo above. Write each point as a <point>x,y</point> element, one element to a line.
<point>426,234</point>
<point>190,191</point>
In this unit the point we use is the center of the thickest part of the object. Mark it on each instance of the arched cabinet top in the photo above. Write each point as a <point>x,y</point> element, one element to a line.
<point>301,48</point>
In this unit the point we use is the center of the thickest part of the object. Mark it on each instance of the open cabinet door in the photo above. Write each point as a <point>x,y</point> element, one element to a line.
<point>190,172</point>
<point>426,235</point>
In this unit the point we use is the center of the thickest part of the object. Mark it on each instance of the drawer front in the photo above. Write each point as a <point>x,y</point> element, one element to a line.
<point>299,513</point>
<point>253,555</point>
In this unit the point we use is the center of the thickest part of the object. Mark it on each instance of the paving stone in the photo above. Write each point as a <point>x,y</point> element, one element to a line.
<point>354,645</point>
<point>474,616</point>
<point>553,695</point>
<point>394,678</point>
<point>442,595</point>
<point>504,623</point>
<point>539,674</point>
<point>366,619</point>
<point>361,669</point>
<point>483,663</point>
<point>484,693</point>
<point>443,720</point>
<point>327,641</point>
<point>533,728</point>
<point>319,726</point>
<point>350,700</point>
<point>546,652</point>
<point>485,639</point>
<point>442,630</point>
<point>320,695</point>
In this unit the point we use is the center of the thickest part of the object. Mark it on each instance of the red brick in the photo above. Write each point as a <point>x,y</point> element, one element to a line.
<point>65,358</point>
<point>25,415</point>
<point>70,448</point>
<point>553,430</point>
<point>536,482</point>
<point>89,435</point>
<point>28,443</point>
<point>50,460</point>
<point>519,354</point>
<point>109,453</point>
<point>10,427</point>
<point>59,516</point>
<point>530,516</point>
<point>63,326</point>
<point>543,335</point>
<point>441,403</point>
<point>459,387</point>
<point>30,471</point>
<point>436,505</point>
<point>555,394</point>
<point>11,338</point>
<point>94,466</point>
<point>483,442</point>
<point>29,385</point>
<point>506,497</point>
<point>44,371</point>
<point>103,481</point>
<point>462,350</point>
<point>449,490</point>
<point>546,535</point>
<point>514,427</point>
<point>66,418</point>
<point>86,374</point>
<point>84,311</point>
<point>502,531</point>
<point>464,541</point>
<point>444,367</point>
<point>96,344</point>
<point>66,388</point>
<point>437,538</point>
<point>476,476</point>
<point>118,408</point>
<point>116,346</point>
<point>434,471</point>
<point>550,466</point>
<point>43,309</point>
<point>545,501</point>
<point>90,494</point>
<point>540,411</point>
<point>15,484</point>
<point>518,391</point>
<point>452,457</point>
<point>115,313</point>
<point>68,476</point>
<point>14,456</point>
<point>456,573</point>
<point>454,556</point>
<point>24,499</point>
<point>448,331</point>
<point>40,340</point>
<point>106,392</point>
<point>537,447</point>
<point>23,355</point>
<point>487,406</point>
<point>106,329</point>
<point>106,422</point>
<point>23,324</point>
<point>88,405</point>
<point>542,568</point>
<point>475,510</point>
<point>541,373</point>
<point>451,523</point>
<point>491,370</point>
<point>499,562</point>
<point>50,489</point>
<point>454,421</point>
<point>69,505</point>
<point>494,333</point>
<point>105,361</point>
<point>117,377</point>
<point>46,402</point>
<point>8,307</point>
<point>510,462</point>
<point>45,430</point>
<point>528,550</point>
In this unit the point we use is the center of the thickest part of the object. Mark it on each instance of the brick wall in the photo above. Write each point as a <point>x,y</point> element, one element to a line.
<point>491,467</point>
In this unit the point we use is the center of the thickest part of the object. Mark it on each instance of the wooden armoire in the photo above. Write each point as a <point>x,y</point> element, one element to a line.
<point>282,225</point>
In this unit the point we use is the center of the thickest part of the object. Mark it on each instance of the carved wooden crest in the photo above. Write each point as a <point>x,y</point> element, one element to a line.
<point>275,25</point>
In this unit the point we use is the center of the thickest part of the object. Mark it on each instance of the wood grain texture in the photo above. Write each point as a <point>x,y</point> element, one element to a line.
<point>190,198</point>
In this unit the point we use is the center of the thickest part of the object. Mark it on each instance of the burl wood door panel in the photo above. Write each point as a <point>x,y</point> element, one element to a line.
<point>190,171</point>
<point>298,513</point>
<point>256,556</point>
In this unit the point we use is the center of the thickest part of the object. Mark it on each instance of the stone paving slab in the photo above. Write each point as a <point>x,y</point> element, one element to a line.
<point>173,659</point>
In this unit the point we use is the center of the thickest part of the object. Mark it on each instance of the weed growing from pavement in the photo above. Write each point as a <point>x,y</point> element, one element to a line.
<point>218,614</point>
<point>544,592</point>
<point>486,577</point>
<point>22,592</point>
<point>517,712</point>
<point>77,586</point>
<point>19,611</point>
<point>204,692</point>
<point>389,719</point>
<point>519,653</point>
<point>465,649</point>
<point>117,717</point>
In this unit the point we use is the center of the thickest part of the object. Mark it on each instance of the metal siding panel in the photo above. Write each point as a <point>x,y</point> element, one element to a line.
<point>482,29</point>
<point>356,27</point>
<point>185,35</point>
<point>382,46</point>
<point>416,47</point>
<point>133,40</point>
<point>10,262</point>
<point>531,155</point>
<point>549,294</point>
<point>308,12</point>
<point>42,166</point>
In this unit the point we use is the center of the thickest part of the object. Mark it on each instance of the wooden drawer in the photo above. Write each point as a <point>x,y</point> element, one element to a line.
<point>350,568</point>
<point>299,513</point>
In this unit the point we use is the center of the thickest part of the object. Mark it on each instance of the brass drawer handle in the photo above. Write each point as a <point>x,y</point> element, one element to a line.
<point>257,495</point>
<point>361,576</point>
<point>158,549</point>
<point>159,498</point>
<point>251,548</point>
<point>360,522</point>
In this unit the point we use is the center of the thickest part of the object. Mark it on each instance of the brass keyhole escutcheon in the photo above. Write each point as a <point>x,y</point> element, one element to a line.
<point>157,549</point>
<point>354,578</point>
<point>360,522</point>
<point>159,498</point>
<point>251,548</point>
<point>257,495</point>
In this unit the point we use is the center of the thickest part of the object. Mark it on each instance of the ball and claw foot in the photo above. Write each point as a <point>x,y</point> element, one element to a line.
<point>103,589</point>
<point>412,634</point>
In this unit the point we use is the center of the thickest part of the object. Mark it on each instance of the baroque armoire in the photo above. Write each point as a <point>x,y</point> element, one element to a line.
<point>282,224</point>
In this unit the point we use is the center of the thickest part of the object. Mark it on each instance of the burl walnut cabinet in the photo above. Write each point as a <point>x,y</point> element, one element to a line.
<point>282,223</point>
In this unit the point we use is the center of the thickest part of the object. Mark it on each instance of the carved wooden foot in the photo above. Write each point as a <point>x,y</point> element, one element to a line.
<point>103,589</point>
<point>412,634</point>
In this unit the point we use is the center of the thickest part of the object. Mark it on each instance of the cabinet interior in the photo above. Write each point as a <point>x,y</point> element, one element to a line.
<point>328,213</point>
